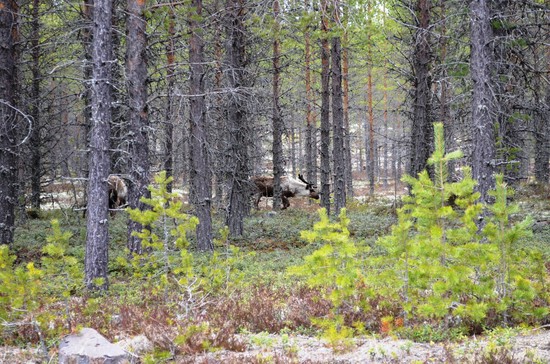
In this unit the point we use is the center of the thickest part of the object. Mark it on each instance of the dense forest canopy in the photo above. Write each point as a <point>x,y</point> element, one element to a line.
<point>215,92</point>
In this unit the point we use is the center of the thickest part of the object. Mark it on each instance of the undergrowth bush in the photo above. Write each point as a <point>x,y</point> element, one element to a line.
<point>441,263</point>
<point>26,288</point>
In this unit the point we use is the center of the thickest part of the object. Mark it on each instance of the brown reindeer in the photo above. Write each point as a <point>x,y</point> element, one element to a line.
<point>118,192</point>
<point>290,188</point>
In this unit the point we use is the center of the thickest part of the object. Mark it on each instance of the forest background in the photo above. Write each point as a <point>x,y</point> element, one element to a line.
<point>345,93</point>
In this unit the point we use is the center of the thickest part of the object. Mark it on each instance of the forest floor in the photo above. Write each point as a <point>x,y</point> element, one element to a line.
<point>532,347</point>
<point>508,346</point>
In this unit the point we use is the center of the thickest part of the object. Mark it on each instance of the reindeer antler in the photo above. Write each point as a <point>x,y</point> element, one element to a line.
<point>301,178</point>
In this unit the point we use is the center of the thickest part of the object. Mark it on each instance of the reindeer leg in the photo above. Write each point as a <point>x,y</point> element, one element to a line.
<point>258,201</point>
<point>286,202</point>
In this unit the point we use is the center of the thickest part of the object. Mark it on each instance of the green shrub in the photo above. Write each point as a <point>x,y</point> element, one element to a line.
<point>438,265</point>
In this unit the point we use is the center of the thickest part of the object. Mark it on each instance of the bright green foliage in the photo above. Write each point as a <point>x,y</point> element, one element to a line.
<point>221,272</point>
<point>64,272</point>
<point>516,282</point>
<point>334,268</point>
<point>166,262</point>
<point>438,260</point>
<point>438,263</point>
<point>19,286</point>
<point>23,289</point>
<point>165,229</point>
<point>430,245</point>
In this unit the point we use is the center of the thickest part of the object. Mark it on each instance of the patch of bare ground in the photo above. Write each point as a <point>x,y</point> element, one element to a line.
<point>528,348</point>
<point>532,348</point>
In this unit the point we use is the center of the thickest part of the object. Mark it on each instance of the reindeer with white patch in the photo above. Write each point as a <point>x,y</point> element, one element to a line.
<point>290,187</point>
<point>118,193</point>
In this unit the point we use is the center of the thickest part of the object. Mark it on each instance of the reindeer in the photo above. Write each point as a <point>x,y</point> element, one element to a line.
<point>118,192</point>
<point>290,188</point>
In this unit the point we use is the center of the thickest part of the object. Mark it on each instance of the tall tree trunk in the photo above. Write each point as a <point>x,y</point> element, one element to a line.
<point>311,150</point>
<point>168,163</point>
<point>87,13</point>
<point>543,130</point>
<point>338,152</point>
<point>35,139</point>
<point>370,91</point>
<point>385,144</point>
<point>421,129</point>
<point>348,172</point>
<point>276,118</point>
<point>542,115</point>
<point>239,139</point>
<point>445,105</point>
<point>483,109</point>
<point>370,135</point>
<point>542,112</point>
<point>8,152</point>
<point>201,181</point>
<point>325,109</point>
<point>220,162</point>
<point>97,233</point>
<point>136,73</point>
<point>119,122</point>
<point>509,148</point>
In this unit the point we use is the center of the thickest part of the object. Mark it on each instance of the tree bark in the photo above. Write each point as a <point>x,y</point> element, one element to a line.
<point>97,233</point>
<point>483,109</point>
<point>87,36</point>
<point>237,117</point>
<point>542,115</point>
<point>136,73</point>
<point>220,162</point>
<point>201,181</point>
<point>444,102</point>
<point>311,150</point>
<point>370,91</point>
<point>8,148</point>
<point>168,163</point>
<point>276,118</point>
<point>370,135</point>
<point>348,169</point>
<point>35,138</point>
<point>325,109</point>
<point>338,152</point>
<point>421,129</point>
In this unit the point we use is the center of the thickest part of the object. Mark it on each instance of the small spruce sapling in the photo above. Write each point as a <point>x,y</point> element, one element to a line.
<point>515,289</point>
<point>165,229</point>
<point>64,272</point>
<point>440,264</point>
<point>335,269</point>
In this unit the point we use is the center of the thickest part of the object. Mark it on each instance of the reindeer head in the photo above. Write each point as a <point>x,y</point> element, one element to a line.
<point>310,187</point>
